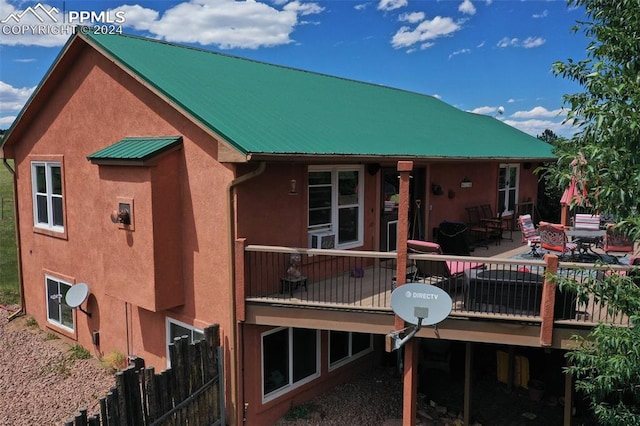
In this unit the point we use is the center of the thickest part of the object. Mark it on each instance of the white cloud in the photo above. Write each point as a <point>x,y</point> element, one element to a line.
<point>528,43</point>
<point>12,99</point>
<point>427,45</point>
<point>537,127</point>
<point>511,100</point>
<point>543,14</point>
<point>459,52</point>
<point>412,18</point>
<point>25,60</point>
<point>13,34</point>
<point>486,110</point>
<point>531,42</point>
<point>225,23</point>
<point>437,96</point>
<point>538,111</point>
<point>507,42</point>
<point>426,30</point>
<point>6,122</point>
<point>467,7</point>
<point>388,5</point>
<point>361,6</point>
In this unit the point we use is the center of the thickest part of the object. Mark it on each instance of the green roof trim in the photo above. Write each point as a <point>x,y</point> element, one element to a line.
<point>136,149</point>
<point>263,109</point>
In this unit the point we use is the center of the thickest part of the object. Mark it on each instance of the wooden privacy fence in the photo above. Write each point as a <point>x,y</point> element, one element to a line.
<point>189,393</point>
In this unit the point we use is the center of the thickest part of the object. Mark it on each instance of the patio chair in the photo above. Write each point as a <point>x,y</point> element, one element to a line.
<point>479,231</point>
<point>616,241</point>
<point>494,224</point>
<point>443,271</point>
<point>530,234</point>
<point>553,238</point>
<point>587,221</point>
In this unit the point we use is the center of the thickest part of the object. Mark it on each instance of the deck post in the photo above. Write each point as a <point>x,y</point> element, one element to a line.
<point>410,385</point>
<point>468,376</point>
<point>241,311</point>
<point>548,301</point>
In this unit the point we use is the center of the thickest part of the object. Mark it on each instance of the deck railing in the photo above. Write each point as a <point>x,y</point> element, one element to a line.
<point>491,288</point>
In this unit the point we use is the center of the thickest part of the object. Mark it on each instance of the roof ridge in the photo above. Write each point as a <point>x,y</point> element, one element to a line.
<point>92,36</point>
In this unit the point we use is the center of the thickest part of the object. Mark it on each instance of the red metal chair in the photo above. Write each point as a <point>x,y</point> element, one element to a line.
<point>553,238</point>
<point>530,234</point>
<point>616,241</point>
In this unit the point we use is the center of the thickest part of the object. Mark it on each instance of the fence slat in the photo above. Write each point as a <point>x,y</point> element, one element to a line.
<point>186,393</point>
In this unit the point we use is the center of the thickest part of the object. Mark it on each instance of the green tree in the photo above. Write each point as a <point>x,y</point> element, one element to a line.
<point>548,203</point>
<point>607,115</point>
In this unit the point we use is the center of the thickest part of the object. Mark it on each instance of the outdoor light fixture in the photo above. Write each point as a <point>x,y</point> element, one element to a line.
<point>466,183</point>
<point>293,190</point>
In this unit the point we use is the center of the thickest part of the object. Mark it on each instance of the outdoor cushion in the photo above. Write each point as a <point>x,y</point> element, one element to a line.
<point>587,221</point>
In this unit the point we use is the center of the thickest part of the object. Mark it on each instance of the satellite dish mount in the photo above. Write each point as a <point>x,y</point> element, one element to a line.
<point>76,296</point>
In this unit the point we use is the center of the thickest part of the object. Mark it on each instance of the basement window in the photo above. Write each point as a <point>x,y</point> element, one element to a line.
<point>58,312</point>
<point>176,329</point>
<point>346,346</point>
<point>289,359</point>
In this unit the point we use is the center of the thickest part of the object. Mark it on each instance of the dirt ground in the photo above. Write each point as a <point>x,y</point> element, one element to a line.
<point>41,382</point>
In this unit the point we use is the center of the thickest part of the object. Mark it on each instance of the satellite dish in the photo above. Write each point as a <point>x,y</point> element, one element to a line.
<point>76,296</point>
<point>421,304</point>
<point>500,110</point>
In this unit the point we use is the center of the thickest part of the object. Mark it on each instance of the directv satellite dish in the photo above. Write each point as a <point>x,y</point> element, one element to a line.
<point>76,296</point>
<point>419,303</point>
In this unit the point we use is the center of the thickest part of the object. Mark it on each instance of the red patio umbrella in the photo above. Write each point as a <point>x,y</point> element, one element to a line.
<point>576,193</point>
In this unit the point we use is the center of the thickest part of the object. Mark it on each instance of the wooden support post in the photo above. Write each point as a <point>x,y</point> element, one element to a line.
<point>410,383</point>
<point>404,169</point>
<point>468,382</point>
<point>568,400</point>
<point>548,301</point>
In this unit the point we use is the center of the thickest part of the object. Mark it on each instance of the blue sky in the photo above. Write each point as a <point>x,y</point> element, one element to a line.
<point>477,55</point>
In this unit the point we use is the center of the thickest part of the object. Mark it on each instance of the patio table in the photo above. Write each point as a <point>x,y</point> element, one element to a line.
<point>586,240</point>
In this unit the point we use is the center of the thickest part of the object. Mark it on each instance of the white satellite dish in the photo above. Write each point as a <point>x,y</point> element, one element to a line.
<point>418,301</point>
<point>76,296</point>
<point>418,304</point>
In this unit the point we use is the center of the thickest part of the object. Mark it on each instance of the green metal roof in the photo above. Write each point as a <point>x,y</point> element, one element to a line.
<point>136,149</point>
<point>267,109</point>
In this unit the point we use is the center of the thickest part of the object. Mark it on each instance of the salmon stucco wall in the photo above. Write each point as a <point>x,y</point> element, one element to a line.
<point>451,204</point>
<point>180,241</point>
<point>276,217</point>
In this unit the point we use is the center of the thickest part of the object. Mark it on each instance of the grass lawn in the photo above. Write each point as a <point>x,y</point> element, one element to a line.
<point>9,293</point>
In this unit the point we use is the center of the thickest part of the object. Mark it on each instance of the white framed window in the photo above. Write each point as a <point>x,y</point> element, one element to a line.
<point>346,346</point>
<point>336,203</point>
<point>508,183</point>
<point>58,312</point>
<point>290,358</point>
<point>46,178</point>
<point>177,329</point>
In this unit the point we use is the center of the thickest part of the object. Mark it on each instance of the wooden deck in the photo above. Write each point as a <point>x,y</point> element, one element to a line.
<point>338,298</point>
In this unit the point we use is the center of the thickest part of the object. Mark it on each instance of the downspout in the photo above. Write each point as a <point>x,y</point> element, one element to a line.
<point>16,219</point>
<point>231,223</point>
